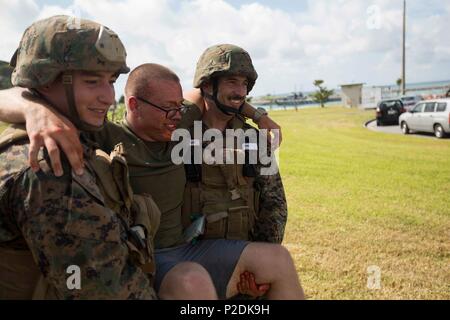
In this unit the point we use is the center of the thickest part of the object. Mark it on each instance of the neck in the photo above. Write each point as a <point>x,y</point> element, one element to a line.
<point>55,102</point>
<point>214,118</point>
<point>133,125</point>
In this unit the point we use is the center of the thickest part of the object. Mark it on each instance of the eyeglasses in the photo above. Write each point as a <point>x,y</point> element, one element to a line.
<point>170,113</point>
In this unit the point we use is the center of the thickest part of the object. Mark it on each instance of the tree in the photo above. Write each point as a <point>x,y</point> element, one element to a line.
<point>399,84</point>
<point>322,94</point>
<point>116,113</point>
<point>5,75</point>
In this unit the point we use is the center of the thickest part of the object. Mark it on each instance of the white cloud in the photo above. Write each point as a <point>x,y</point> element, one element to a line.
<point>14,18</point>
<point>338,41</point>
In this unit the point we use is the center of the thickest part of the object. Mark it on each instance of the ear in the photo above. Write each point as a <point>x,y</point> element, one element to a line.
<point>132,104</point>
<point>45,89</point>
<point>207,87</point>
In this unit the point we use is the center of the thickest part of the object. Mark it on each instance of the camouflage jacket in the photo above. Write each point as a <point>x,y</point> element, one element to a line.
<point>272,214</point>
<point>64,222</point>
<point>272,208</point>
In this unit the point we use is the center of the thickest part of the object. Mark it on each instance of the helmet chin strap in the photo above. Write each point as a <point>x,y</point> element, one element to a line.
<point>227,110</point>
<point>67,81</point>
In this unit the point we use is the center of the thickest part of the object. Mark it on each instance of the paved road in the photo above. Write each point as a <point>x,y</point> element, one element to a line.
<point>372,125</point>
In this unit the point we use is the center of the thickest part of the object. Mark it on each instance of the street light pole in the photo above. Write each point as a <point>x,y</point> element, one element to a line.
<point>404,50</point>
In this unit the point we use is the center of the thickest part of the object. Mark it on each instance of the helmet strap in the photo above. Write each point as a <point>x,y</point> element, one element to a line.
<point>67,81</point>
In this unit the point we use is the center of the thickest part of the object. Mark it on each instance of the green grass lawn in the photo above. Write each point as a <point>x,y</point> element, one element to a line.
<point>359,198</point>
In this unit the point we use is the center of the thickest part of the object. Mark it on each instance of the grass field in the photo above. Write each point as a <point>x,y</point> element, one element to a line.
<point>358,199</point>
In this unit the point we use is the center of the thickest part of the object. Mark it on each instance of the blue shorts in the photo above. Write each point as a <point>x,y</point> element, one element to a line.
<point>218,256</point>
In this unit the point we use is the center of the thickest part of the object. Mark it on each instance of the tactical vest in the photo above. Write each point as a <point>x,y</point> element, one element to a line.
<point>20,277</point>
<point>151,172</point>
<point>138,213</point>
<point>224,194</point>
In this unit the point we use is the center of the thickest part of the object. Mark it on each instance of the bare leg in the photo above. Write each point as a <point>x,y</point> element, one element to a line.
<point>187,281</point>
<point>272,264</point>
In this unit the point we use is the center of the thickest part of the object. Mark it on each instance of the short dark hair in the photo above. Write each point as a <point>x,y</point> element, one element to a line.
<point>140,78</point>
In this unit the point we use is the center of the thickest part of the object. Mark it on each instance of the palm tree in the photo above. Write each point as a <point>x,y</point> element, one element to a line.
<point>322,94</point>
<point>399,84</point>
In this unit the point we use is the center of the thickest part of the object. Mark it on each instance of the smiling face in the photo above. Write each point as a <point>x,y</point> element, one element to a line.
<point>94,94</point>
<point>93,91</point>
<point>146,119</point>
<point>232,90</point>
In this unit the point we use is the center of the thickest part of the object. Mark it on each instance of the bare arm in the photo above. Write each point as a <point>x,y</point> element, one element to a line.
<point>10,105</point>
<point>195,97</point>
<point>265,122</point>
<point>248,111</point>
<point>45,127</point>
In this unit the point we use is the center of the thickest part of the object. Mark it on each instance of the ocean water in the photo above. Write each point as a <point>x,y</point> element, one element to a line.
<point>304,106</point>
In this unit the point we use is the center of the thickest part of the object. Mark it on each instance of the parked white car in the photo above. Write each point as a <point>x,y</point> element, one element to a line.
<point>428,116</point>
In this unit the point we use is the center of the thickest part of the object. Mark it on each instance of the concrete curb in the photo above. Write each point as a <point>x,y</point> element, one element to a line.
<point>367,123</point>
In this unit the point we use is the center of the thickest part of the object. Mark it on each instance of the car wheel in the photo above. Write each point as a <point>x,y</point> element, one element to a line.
<point>439,131</point>
<point>379,123</point>
<point>405,128</point>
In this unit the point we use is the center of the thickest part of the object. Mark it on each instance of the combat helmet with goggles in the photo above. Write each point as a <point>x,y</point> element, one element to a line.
<point>60,45</point>
<point>222,60</point>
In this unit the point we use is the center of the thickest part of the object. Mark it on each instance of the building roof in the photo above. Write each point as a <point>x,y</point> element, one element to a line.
<point>351,84</point>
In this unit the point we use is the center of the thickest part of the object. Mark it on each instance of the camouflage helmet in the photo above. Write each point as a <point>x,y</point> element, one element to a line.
<point>57,44</point>
<point>224,59</point>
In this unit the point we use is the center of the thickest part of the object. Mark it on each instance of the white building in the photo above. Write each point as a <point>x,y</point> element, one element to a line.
<point>352,95</point>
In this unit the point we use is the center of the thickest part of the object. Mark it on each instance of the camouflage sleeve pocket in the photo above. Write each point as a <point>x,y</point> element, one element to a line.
<point>89,219</point>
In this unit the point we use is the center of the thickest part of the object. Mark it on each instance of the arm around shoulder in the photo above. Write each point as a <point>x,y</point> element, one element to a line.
<point>272,213</point>
<point>45,128</point>
<point>12,105</point>
<point>195,96</point>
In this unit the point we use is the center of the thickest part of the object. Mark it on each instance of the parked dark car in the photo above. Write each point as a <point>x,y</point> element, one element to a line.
<point>410,101</point>
<point>388,112</point>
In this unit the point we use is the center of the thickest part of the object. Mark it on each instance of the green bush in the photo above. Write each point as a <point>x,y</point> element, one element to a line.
<point>5,75</point>
<point>117,113</point>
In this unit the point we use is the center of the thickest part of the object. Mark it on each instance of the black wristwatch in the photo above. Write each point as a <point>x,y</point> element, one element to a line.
<point>259,112</point>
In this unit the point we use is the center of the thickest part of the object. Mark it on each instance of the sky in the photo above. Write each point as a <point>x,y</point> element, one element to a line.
<point>292,42</point>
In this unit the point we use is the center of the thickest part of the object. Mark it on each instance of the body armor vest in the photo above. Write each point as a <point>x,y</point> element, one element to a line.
<point>224,194</point>
<point>20,277</point>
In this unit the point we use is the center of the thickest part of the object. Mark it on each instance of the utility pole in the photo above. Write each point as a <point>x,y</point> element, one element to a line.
<point>404,50</point>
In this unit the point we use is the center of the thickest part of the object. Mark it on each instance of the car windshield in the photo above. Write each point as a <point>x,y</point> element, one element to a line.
<point>389,104</point>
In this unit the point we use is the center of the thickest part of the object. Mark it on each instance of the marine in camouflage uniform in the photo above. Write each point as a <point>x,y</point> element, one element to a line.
<point>270,203</point>
<point>48,223</point>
